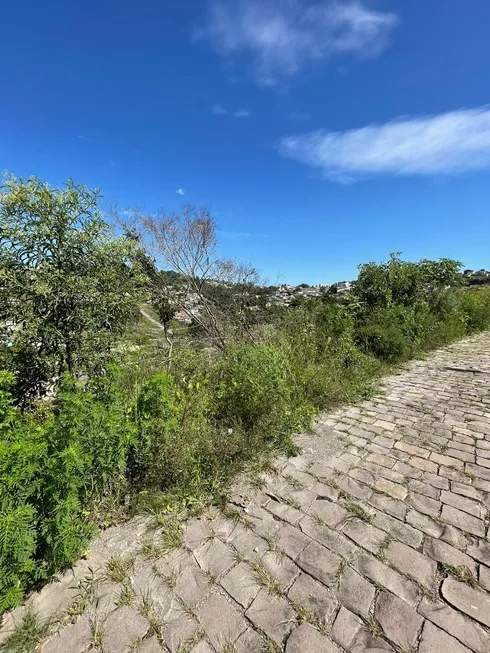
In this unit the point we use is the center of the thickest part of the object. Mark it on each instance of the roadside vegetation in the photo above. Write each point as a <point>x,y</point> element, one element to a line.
<point>103,412</point>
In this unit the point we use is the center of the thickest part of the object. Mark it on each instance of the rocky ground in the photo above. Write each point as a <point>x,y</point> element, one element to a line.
<point>375,538</point>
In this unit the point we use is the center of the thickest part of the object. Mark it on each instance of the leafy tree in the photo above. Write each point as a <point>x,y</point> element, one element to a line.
<point>67,284</point>
<point>162,305</point>
<point>381,285</point>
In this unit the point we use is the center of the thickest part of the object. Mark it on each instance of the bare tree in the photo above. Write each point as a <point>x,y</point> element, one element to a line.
<point>216,293</point>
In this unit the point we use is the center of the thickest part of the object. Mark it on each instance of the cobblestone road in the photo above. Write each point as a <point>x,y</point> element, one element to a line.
<point>375,538</point>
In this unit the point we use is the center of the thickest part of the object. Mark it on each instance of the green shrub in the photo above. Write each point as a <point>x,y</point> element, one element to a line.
<point>182,450</point>
<point>21,456</point>
<point>255,391</point>
<point>475,305</point>
<point>385,340</point>
<point>317,342</point>
<point>158,411</point>
<point>389,334</point>
<point>52,468</point>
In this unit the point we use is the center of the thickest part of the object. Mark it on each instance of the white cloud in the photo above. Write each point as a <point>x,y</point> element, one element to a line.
<point>242,113</point>
<point>235,234</point>
<point>180,191</point>
<point>282,36</point>
<point>447,143</point>
<point>218,109</point>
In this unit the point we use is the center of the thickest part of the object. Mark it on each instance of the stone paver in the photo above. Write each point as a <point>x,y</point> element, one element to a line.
<point>447,554</point>
<point>73,638</point>
<point>385,576</point>
<point>273,615</point>
<point>307,639</point>
<point>411,562</point>
<point>351,634</point>
<point>359,543</point>
<point>435,640</point>
<point>457,625</point>
<point>122,628</point>
<point>472,602</point>
<point>320,563</point>
<point>241,585</point>
<point>308,592</point>
<point>221,620</point>
<point>400,623</point>
<point>248,642</point>
<point>365,535</point>
<point>355,592</point>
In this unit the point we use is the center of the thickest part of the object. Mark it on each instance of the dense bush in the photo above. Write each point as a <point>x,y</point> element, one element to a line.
<point>475,305</point>
<point>254,391</point>
<point>21,456</point>
<point>389,334</point>
<point>317,340</point>
<point>67,284</point>
<point>52,469</point>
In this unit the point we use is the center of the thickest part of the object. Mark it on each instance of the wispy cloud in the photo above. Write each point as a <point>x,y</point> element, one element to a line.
<point>180,191</point>
<point>236,235</point>
<point>219,110</point>
<point>282,36</point>
<point>448,143</point>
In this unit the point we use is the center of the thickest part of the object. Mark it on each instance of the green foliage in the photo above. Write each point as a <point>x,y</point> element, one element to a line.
<point>28,635</point>
<point>475,305</point>
<point>317,340</point>
<point>403,308</point>
<point>255,392</point>
<point>51,470</point>
<point>402,282</point>
<point>388,334</point>
<point>67,285</point>
<point>158,411</point>
<point>21,453</point>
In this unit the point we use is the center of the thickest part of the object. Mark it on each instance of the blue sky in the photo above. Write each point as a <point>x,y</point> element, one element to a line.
<point>321,133</point>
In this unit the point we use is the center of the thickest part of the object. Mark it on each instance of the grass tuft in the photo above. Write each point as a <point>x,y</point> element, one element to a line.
<point>266,580</point>
<point>293,482</point>
<point>462,573</point>
<point>373,625</point>
<point>126,595</point>
<point>307,614</point>
<point>118,568</point>
<point>268,646</point>
<point>28,635</point>
<point>238,517</point>
<point>357,511</point>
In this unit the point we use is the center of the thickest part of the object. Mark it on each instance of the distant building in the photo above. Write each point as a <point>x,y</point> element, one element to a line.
<point>476,273</point>
<point>342,286</point>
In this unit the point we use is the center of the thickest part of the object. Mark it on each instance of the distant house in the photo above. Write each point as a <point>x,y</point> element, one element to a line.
<point>342,286</point>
